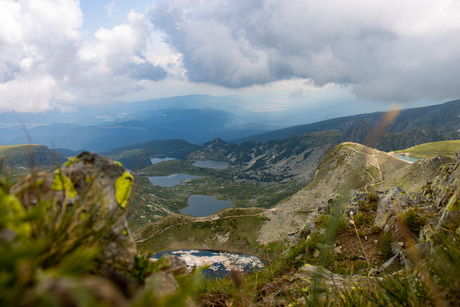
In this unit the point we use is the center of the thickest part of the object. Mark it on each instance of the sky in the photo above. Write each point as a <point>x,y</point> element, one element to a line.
<point>274,54</point>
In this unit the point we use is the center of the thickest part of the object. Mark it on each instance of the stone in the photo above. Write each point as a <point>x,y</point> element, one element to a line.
<point>68,291</point>
<point>338,250</point>
<point>392,264</point>
<point>299,257</point>
<point>308,273</point>
<point>164,284</point>
<point>388,208</point>
<point>95,184</point>
<point>316,253</point>
<point>445,192</point>
<point>176,265</point>
<point>395,248</point>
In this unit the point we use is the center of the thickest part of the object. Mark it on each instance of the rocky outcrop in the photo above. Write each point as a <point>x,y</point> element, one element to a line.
<point>395,218</point>
<point>311,278</point>
<point>93,185</point>
<point>393,205</point>
<point>444,194</point>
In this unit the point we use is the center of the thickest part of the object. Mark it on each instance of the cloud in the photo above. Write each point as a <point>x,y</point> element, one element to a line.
<point>376,50</point>
<point>144,70</point>
<point>110,7</point>
<point>384,51</point>
<point>45,62</point>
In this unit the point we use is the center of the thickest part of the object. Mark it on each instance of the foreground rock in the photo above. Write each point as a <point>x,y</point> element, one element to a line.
<point>88,184</point>
<point>311,278</point>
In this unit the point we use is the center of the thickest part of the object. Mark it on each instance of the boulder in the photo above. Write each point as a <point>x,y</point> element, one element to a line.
<point>389,208</point>
<point>89,183</point>
<point>445,191</point>
<point>72,291</point>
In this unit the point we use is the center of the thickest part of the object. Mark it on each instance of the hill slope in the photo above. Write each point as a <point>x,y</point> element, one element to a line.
<point>430,150</point>
<point>30,156</point>
<point>138,156</point>
<point>347,167</point>
<point>411,127</point>
<point>294,158</point>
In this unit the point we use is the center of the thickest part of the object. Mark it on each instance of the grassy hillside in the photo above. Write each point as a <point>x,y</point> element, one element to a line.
<point>151,203</point>
<point>434,149</point>
<point>234,230</point>
<point>30,156</point>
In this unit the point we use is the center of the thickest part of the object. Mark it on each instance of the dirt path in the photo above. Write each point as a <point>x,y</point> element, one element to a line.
<point>374,161</point>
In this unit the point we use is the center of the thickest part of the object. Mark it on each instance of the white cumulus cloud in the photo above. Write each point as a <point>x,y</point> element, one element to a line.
<point>45,63</point>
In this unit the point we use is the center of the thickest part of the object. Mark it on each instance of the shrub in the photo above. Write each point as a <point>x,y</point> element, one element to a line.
<point>371,203</point>
<point>364,219</point>
<point>324,220</point>
<point>413,220</point>
<point>372,197</point>
<point>386,238</point>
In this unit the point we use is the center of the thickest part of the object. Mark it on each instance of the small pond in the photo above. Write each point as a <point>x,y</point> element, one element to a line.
<point>203,205</point>
<point>220,263</point>
<point>172,180</point>
<point>407,158</point>
<point>158,160</point>
<point>212,164</point>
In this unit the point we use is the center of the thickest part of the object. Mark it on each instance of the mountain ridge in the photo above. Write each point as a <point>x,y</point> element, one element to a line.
<point>443,120</point>
<point>199,125</point>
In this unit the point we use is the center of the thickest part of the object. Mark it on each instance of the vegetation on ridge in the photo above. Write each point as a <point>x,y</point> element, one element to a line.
<point>433,149</point>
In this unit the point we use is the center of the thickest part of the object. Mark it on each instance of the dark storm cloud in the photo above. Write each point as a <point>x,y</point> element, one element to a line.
<point>383,51</point>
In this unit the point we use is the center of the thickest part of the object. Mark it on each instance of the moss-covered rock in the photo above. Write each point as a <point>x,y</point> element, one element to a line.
<point>85,182</point>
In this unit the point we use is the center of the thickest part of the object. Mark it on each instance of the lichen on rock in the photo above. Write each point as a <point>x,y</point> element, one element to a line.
<point>91,183</point>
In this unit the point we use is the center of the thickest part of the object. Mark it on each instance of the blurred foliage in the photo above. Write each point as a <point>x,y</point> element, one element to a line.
<point>51,257</point>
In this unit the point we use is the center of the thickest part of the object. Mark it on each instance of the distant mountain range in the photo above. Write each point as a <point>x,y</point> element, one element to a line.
<point>411,127</point>
<point>295,152</point>
<point>194,125</point>
<point>200,125</point>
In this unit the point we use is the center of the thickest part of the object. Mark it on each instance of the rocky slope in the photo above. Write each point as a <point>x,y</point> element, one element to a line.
<point>294,158</point>
<point>375,234</point>
<point>366,248</point>
<point>347,167</point>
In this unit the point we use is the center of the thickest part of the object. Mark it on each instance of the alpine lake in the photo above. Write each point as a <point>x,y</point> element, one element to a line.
<point>198,205</point>
<point>218,263</point>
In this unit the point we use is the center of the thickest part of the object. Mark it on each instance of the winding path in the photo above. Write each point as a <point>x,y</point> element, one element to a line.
<point>374,161</point>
